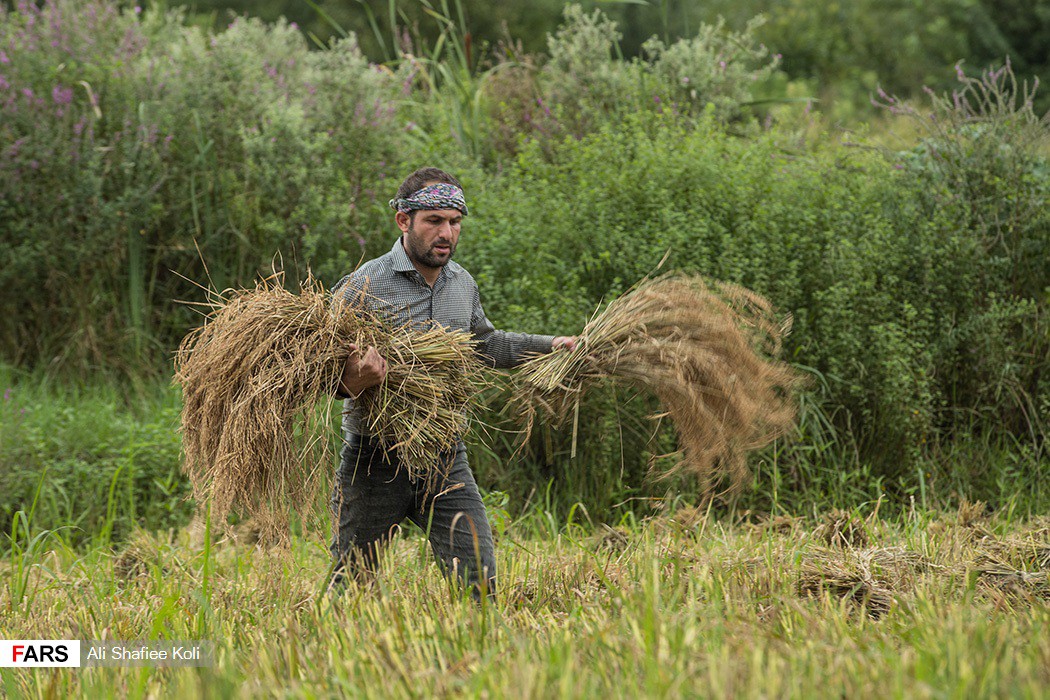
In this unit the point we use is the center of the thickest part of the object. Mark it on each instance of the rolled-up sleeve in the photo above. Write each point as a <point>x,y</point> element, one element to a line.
<point>501,349</point>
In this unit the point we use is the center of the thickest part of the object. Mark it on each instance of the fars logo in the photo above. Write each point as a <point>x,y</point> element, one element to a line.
<point>39,652</point>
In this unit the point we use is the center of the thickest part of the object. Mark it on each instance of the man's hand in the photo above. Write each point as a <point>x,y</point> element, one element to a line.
<point>564,342</point>
<point>362,371</point>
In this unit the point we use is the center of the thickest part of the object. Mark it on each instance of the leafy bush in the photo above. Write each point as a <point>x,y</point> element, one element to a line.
<point>880,283</point>
<point>139,146</point>
<point>715,70</point>
<point>586,83</point>
<point>983,155</point>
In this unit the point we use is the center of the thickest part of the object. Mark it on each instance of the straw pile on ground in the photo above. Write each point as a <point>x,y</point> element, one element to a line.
<point>257,379</point>
<point>704,349</point>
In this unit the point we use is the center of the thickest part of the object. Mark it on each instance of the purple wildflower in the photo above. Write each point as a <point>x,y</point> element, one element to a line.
<point>28,93</point>
<point>138,10</point>
<point>7,395</point>
<point>3,83</point>
<point>13,150</point>
<point>62,95</point>
<point>4,58</point>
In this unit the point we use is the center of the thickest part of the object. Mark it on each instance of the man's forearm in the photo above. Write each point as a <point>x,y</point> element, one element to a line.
<point>503,350</point>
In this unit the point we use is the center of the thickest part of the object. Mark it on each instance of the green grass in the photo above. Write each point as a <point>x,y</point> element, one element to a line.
<point>926,605</point>
<point>93,461</point>
<point>892,598</point>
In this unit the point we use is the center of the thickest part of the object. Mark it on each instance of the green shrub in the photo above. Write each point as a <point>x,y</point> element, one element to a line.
<point>878,281</point>
<point>139,146</point>
<point>587,83</point>
<point>716,70</point>
<point>983,155</point>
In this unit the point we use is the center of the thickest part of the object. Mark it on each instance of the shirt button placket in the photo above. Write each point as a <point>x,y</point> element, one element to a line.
<point>430,295</point>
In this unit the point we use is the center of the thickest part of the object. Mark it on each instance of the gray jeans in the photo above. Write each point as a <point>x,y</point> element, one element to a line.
<point>373,495</point>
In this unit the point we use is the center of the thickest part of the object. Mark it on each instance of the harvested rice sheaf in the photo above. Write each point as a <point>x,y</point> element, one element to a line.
<point>257,379</point>
<point>870,579</point>
<point>706,350</point>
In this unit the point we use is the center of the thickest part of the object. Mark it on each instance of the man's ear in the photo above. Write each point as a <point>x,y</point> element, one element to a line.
<point>403,221</point>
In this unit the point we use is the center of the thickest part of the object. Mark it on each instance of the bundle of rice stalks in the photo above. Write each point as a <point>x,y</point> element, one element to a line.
<point>702,348</point>
<point>872,579</point>
<point>840,528</point>
<point>778,524</point>
<point>1017,567</point>
<point>256,381</point>
<point>140,555</point>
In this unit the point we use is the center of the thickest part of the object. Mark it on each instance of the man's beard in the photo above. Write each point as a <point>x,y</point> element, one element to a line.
<point>426,256</point>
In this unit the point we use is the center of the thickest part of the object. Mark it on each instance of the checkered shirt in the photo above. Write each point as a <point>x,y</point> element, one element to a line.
<point>398,291</point>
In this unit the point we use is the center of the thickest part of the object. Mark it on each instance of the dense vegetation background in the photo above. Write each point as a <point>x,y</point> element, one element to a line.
<point>876,170</point>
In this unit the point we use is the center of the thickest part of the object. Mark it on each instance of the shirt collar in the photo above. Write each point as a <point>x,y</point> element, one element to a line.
<point>400,258</point>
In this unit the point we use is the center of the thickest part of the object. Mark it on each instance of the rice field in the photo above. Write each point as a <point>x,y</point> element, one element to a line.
<point>839,604</point>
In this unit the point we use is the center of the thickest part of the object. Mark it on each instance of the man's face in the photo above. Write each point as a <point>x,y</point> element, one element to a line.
<point>431,235</point>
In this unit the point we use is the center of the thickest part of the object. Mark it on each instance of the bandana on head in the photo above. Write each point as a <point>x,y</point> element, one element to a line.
<point>440,196</point>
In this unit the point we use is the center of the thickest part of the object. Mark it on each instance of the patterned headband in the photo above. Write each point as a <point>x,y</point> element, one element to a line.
<point>440,196</point>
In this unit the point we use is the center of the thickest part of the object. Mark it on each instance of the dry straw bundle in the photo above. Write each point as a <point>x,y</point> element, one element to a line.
<point>701,348</point>
<point>255,378</point>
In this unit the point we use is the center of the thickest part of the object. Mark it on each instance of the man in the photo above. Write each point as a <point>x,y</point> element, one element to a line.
<point>417,282</point>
